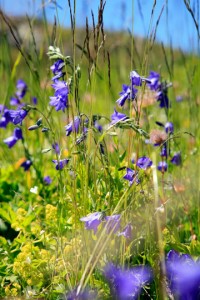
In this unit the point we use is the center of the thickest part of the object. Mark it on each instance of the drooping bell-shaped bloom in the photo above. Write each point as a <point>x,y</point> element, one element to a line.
<point>117,116</point>
<point>21,88</point>
<point>112,223</point>
<point>176,159</point>
<point>17,116</point>
<point>144,163</point>
<point>60,164</point>
<point>163,99</point>
<point>154,83</point>
<point>56,68</point>
<point>162,166</point>
<point>131,176</point>
<point>60,98</point>
<point>127,231</point>
<point>26,165</point>
<point>126,284</point>
<point>12,140</point>
<point>92,221</point>
<point>135,78</point>
<point>124,95</point>
<point>5,118</point>
<point>56,148</point>
<point>183,275</point>
<point>169,127</point>
<point>73,126</point>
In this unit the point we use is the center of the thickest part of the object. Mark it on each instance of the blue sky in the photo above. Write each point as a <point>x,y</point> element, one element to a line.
<point>175,24</point>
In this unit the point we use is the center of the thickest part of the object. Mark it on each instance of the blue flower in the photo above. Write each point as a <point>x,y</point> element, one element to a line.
<point>73,126</point>
<point>154,83</point>
<point>112,223</point>
<point>21,89</point>
<point>60,98</point>
<point>162,166</point>
<point>6,118</point>
<point>60,163</point>
<point>26,165</point>
<point>163,99</point>
<point>12,140</point>
<point>169,127</point>
<point>92,221</point>
<point>56,68</point>
<point>131,176</point>
<point>176,159</point>
<point>56,148</point>
<point>116,117</point>
<point>144,162</point>
<point>163,152</point>
<point>127,231</point>
<point>126,284</point>
<point>184,276</point>
<point>17,116</point>
<point>135,79</point>
<point>47,180</point>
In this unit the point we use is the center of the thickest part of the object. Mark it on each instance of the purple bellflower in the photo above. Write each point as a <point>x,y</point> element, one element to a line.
<point>56,68</point>
<point>176,159</point>
<point>47,180</point>
<point>126,284</point>
<point>163,151</point>
<point>135,78</point>
<point>6,118</point>
<point>17,116</point>
<point>144,163</point>
<point>26,165</point>
<point>183,275</point>
<point>116,117</point>
<point>56,148</point>
<point>154,81</point>
<point>162,98</point>
<point>12,140</point>
<point>127,232</point>
<point>92,221</point>
<point>131,176</point>
<point>162,166</point>
<point>73,126</point>
<point>60,98</point>
<point>124,95</point>
<point>19,94</point>
<point>169,127</point>
<point>60,163</point>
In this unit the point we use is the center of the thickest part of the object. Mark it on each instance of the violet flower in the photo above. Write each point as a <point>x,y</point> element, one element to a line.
<point>60,163</point>
<point>12,140</point>
<point>131,176</point>
<point>176,159</point>
<point>169,127</point>
<point>56,68</point>
<point>112,222</point>
<point>60,98</point>
<point>135,78</point>
<point>162,166</point>
<point>47,180</point>
<point>116,117</point>
<point>124,95</point>
<point>92,221</point>
<point>6,118</point>
<point>26,165</point>
<point>154,81</point>
<point>73,126</point>
<point>17,116</point>
<point>127,232</point>
<point>56,148</point>
<point>144,163</point>
<point>126,284</point>
<point>183,275</point>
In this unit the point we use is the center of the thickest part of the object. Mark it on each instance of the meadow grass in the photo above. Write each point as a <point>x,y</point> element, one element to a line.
<point>103,225</point>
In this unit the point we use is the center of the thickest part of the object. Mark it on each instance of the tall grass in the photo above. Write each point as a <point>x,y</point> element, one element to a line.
<point>46,250</point>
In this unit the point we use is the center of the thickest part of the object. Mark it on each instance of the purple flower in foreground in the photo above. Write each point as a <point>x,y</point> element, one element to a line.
<point>124,95</point>
<point>162,166</point>
<point>12,140</point>
<point>60,163</point>
<point>127,231</point>
<point>131,176</point>
<point>92,221</point>
<point>56,68</point>
<point>169,127</point>
<point>17,116</point>
<point>56,148</point>
<point>26,165</point>
<point>116,117</point>
<point>112,223</point>
<point>60,98</point>
<point>144,163</point>
<point>73,126</point>
<point>163,99</point>
<point>135,78</point>
<point>47,180</point>
<point>183,275</point>
<point>126,284</point>
<point>154,80</point>
<point>176,159</point>
<point>6,118</point>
